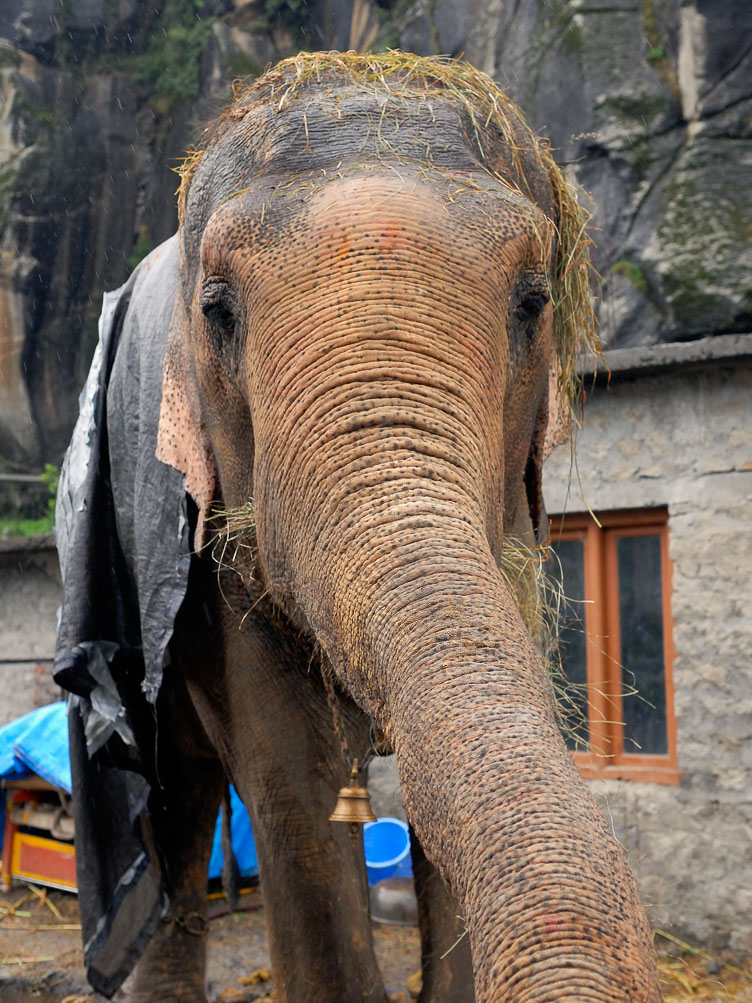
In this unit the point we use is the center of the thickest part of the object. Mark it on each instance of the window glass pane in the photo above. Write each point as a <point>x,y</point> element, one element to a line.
<point>641,626</point>
<point>572,699</point>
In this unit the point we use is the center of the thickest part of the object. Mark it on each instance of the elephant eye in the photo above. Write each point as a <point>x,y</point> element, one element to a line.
<point>218,306</point>
<point>219,316</point>
<point>531,306</point>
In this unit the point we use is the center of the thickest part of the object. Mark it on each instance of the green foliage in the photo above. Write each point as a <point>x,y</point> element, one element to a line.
<point>633,273</point>
<point>571,37</point>
<point>42,114</point>
<point>640,108</point>
<point>26,527</point>
<point>19,525</point>
<point>9,57</point>
<point>7,178</point>
<point>657,56</point>
<point>171,64</point>
<point>141,248</point>
<point>258,25</point>
<point>701,230</point>
<point>51,477</point>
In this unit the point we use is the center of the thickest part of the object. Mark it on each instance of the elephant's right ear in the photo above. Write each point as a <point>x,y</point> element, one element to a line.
<point>182,441</point>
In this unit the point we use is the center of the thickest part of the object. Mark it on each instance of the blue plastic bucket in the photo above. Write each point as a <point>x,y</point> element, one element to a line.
<point>387,846</point>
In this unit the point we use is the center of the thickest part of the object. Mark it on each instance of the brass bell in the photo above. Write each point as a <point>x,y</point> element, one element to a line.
<point>353,802</point>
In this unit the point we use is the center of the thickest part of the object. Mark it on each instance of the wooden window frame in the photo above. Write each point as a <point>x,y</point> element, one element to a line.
<point>606,758</point>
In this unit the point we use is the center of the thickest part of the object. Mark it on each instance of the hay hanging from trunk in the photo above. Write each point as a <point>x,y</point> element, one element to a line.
<point>534,579</point>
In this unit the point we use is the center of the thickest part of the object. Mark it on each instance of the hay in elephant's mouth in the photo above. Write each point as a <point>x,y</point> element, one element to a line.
<point>404,76</point>
<point>234,544</point>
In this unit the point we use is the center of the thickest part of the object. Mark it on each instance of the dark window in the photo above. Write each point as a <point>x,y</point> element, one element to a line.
<point>615,651</point>
<point>573,691</point>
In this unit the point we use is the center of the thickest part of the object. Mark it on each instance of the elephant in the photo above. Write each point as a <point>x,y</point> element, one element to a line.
<point>315,418</point>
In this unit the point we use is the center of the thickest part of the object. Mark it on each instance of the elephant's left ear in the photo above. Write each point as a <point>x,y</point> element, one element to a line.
<point>182,441</point>
<point>550,431</point>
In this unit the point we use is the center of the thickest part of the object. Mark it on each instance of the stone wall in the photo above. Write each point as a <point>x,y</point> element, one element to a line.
<point>683,440</point>
<point>30,593</point>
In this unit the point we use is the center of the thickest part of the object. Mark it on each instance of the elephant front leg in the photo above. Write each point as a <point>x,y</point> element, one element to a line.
<point>178,830</point>
<point>445,947</point>
<point>316,905</point>
<point>288,768</point>
<point>264,707</point>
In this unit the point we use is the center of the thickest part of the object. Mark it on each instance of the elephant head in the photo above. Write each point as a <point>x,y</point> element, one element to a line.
<point>384,278</point>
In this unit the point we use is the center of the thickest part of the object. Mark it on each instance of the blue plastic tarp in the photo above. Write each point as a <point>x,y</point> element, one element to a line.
<point>37,743</point>
<point>243,844</point>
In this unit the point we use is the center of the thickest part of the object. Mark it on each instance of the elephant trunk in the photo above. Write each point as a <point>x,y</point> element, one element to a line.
<point>550,904</point>
<point>392,567</point>
<point>399,585</point>
<point>394,415</point>
<point>551,907</point>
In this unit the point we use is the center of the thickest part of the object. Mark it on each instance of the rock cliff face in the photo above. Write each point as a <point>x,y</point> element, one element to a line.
<point>648,101</point>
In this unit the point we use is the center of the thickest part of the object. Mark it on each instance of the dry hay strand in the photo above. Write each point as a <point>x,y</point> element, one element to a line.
<point>402,76</point>
<point>255,977</point>
<point>537,592</point>
<point>689,978</point>
<point>186,169</point>
<point>533,576</point>
<point>235,526</point>
<point>415,984</point>
<point>232,995</point>
<point>234,546</point>
<point>693,974</point>
<point>24,959</point>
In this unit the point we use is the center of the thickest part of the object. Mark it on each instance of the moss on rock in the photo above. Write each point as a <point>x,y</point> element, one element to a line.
<point>634,274</point>
<point>171,65</point>
<point>705,231</point>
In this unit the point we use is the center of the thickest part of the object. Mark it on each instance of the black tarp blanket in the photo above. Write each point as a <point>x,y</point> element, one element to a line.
<point>124,544</point>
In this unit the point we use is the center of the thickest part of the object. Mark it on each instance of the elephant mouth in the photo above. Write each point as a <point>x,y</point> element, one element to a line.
<point>232,539</point>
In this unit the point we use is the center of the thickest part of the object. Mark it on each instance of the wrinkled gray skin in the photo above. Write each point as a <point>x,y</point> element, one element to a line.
<point>368,360</point>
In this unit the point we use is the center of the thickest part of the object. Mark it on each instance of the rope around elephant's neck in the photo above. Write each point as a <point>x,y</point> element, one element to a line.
<point>339,725</point>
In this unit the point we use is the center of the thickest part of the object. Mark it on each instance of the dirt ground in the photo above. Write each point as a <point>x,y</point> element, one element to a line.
<point>41,959</point>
